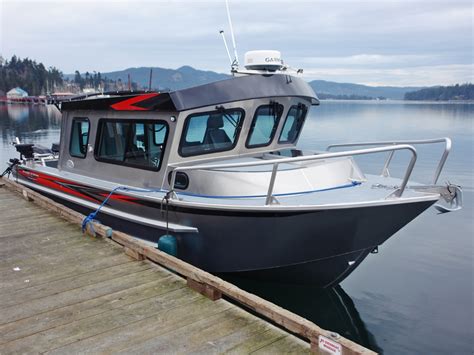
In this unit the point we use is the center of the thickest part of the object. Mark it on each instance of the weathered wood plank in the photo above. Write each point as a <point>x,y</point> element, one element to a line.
<point>252,335</point>
<point>188,338</point>
<point>166,320</point>
<point>290,345</point>
<point>23,246</point>
<point>205,290</point>
<point>260,340</point>
<point>52,274</point>
<point>90,307</point>
<point>31,267</point>
<point>71,283</point>
<point>133,254</point>
<point>84,330</point>
<point>37,306</point>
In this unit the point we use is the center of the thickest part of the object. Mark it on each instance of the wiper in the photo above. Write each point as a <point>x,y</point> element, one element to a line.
<point>274,108</point>
<point>230,119</point>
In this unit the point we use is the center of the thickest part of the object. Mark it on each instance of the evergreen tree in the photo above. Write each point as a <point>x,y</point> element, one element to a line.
<point>443,93</point>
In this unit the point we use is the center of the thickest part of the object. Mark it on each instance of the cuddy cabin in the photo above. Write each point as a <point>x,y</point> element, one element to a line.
<point>138,139</point>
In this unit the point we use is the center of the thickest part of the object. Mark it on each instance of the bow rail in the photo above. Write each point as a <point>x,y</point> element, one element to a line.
<point>277,162</point>
<point>385,171</point>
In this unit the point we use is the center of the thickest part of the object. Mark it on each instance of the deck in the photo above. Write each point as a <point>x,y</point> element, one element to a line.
<point>62,291</point>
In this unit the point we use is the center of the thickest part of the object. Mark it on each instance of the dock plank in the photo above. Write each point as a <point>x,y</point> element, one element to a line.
<point>40,305</point>
<point>253,336</point>
<point>72,283</point>
<point>48,274</point>
<point>94,306</point>
<point>291,346</point>
<point>74,293</point>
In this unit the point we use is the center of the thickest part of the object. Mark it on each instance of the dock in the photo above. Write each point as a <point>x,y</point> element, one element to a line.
<point>64,291</point>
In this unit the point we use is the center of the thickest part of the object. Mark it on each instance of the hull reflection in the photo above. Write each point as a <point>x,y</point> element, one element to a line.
<point>330,308</point>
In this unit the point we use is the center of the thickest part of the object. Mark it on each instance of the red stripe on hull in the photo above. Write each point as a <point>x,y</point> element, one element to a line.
<point>58,184</point>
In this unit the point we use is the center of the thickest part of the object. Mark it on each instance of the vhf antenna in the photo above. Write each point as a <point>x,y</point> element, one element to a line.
<point>235,62</point>
<point>226,47</point>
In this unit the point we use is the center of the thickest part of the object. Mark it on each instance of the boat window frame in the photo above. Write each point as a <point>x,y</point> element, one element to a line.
<point>130,120</point>
<point>274,129</point>
<point>305,115</point>
<point>186,126</point>
<point>80,119</point>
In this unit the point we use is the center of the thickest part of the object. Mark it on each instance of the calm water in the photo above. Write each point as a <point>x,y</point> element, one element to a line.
<point>416,295</point>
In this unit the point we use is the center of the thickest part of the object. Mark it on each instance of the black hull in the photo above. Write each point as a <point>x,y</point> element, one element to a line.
<point>319,273</point>
<point>316,247</point>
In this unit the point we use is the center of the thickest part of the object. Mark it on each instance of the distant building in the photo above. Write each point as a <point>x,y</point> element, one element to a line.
<point>17,93</point>
<point>89,91</point>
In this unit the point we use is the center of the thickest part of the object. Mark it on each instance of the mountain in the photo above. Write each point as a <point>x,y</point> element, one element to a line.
<point>331,88</point>
<point>162,78</point>
<point>187,76</point>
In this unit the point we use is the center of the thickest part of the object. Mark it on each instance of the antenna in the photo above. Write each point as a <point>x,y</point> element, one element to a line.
<point>236,57</point>
<point>226,47</point>
<point>149,81</point>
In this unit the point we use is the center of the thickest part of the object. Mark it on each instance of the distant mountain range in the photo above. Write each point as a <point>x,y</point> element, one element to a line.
<point>347,89</point>
<point>172,79</point>
<point>187,76</point>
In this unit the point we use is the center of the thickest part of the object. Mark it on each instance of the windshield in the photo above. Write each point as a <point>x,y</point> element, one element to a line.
<point>293,124</point>
<point>264,125</point>
<point>211,132</point>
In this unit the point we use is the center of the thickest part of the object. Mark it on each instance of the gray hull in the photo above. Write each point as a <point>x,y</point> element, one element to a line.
<point>321,247</point>
<point>316,247</point>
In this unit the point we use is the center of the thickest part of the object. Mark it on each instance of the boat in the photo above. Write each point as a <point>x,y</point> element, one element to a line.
<point>213,175</point>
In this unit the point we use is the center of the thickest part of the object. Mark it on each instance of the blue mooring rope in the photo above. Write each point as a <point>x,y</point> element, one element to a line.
<point>92,215</point>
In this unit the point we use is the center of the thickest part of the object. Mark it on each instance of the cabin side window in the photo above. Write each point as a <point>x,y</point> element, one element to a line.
<point>293,124</point>
<point>79,137</point>
<point>210,132</point>
<point>134,143</point>
<point>264,125</point>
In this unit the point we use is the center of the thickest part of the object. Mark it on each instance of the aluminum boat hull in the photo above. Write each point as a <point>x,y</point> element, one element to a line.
<point>320,247</point>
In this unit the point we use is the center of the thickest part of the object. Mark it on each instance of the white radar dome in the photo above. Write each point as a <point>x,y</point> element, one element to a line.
<point>263,60</point>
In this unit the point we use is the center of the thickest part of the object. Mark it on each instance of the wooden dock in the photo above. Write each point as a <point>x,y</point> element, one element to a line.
<point>62,291</point>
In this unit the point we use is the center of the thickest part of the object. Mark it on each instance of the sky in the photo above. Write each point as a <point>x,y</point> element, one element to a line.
<point>397,43</point>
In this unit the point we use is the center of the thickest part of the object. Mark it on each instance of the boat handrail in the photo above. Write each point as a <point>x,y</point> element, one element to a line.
<point>385,172</point>
<point>276,163</point>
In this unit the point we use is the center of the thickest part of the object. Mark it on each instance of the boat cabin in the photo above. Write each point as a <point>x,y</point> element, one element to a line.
<point>136,138</point>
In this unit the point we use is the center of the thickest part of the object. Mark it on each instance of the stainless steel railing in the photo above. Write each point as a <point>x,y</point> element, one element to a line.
<point>276,163</point>
<point>385,171</point>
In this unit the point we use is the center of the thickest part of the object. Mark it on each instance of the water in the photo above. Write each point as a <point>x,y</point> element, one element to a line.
<point>416,295</point>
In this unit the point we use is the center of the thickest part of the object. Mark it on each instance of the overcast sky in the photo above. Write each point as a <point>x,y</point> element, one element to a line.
<point>369,42</point>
